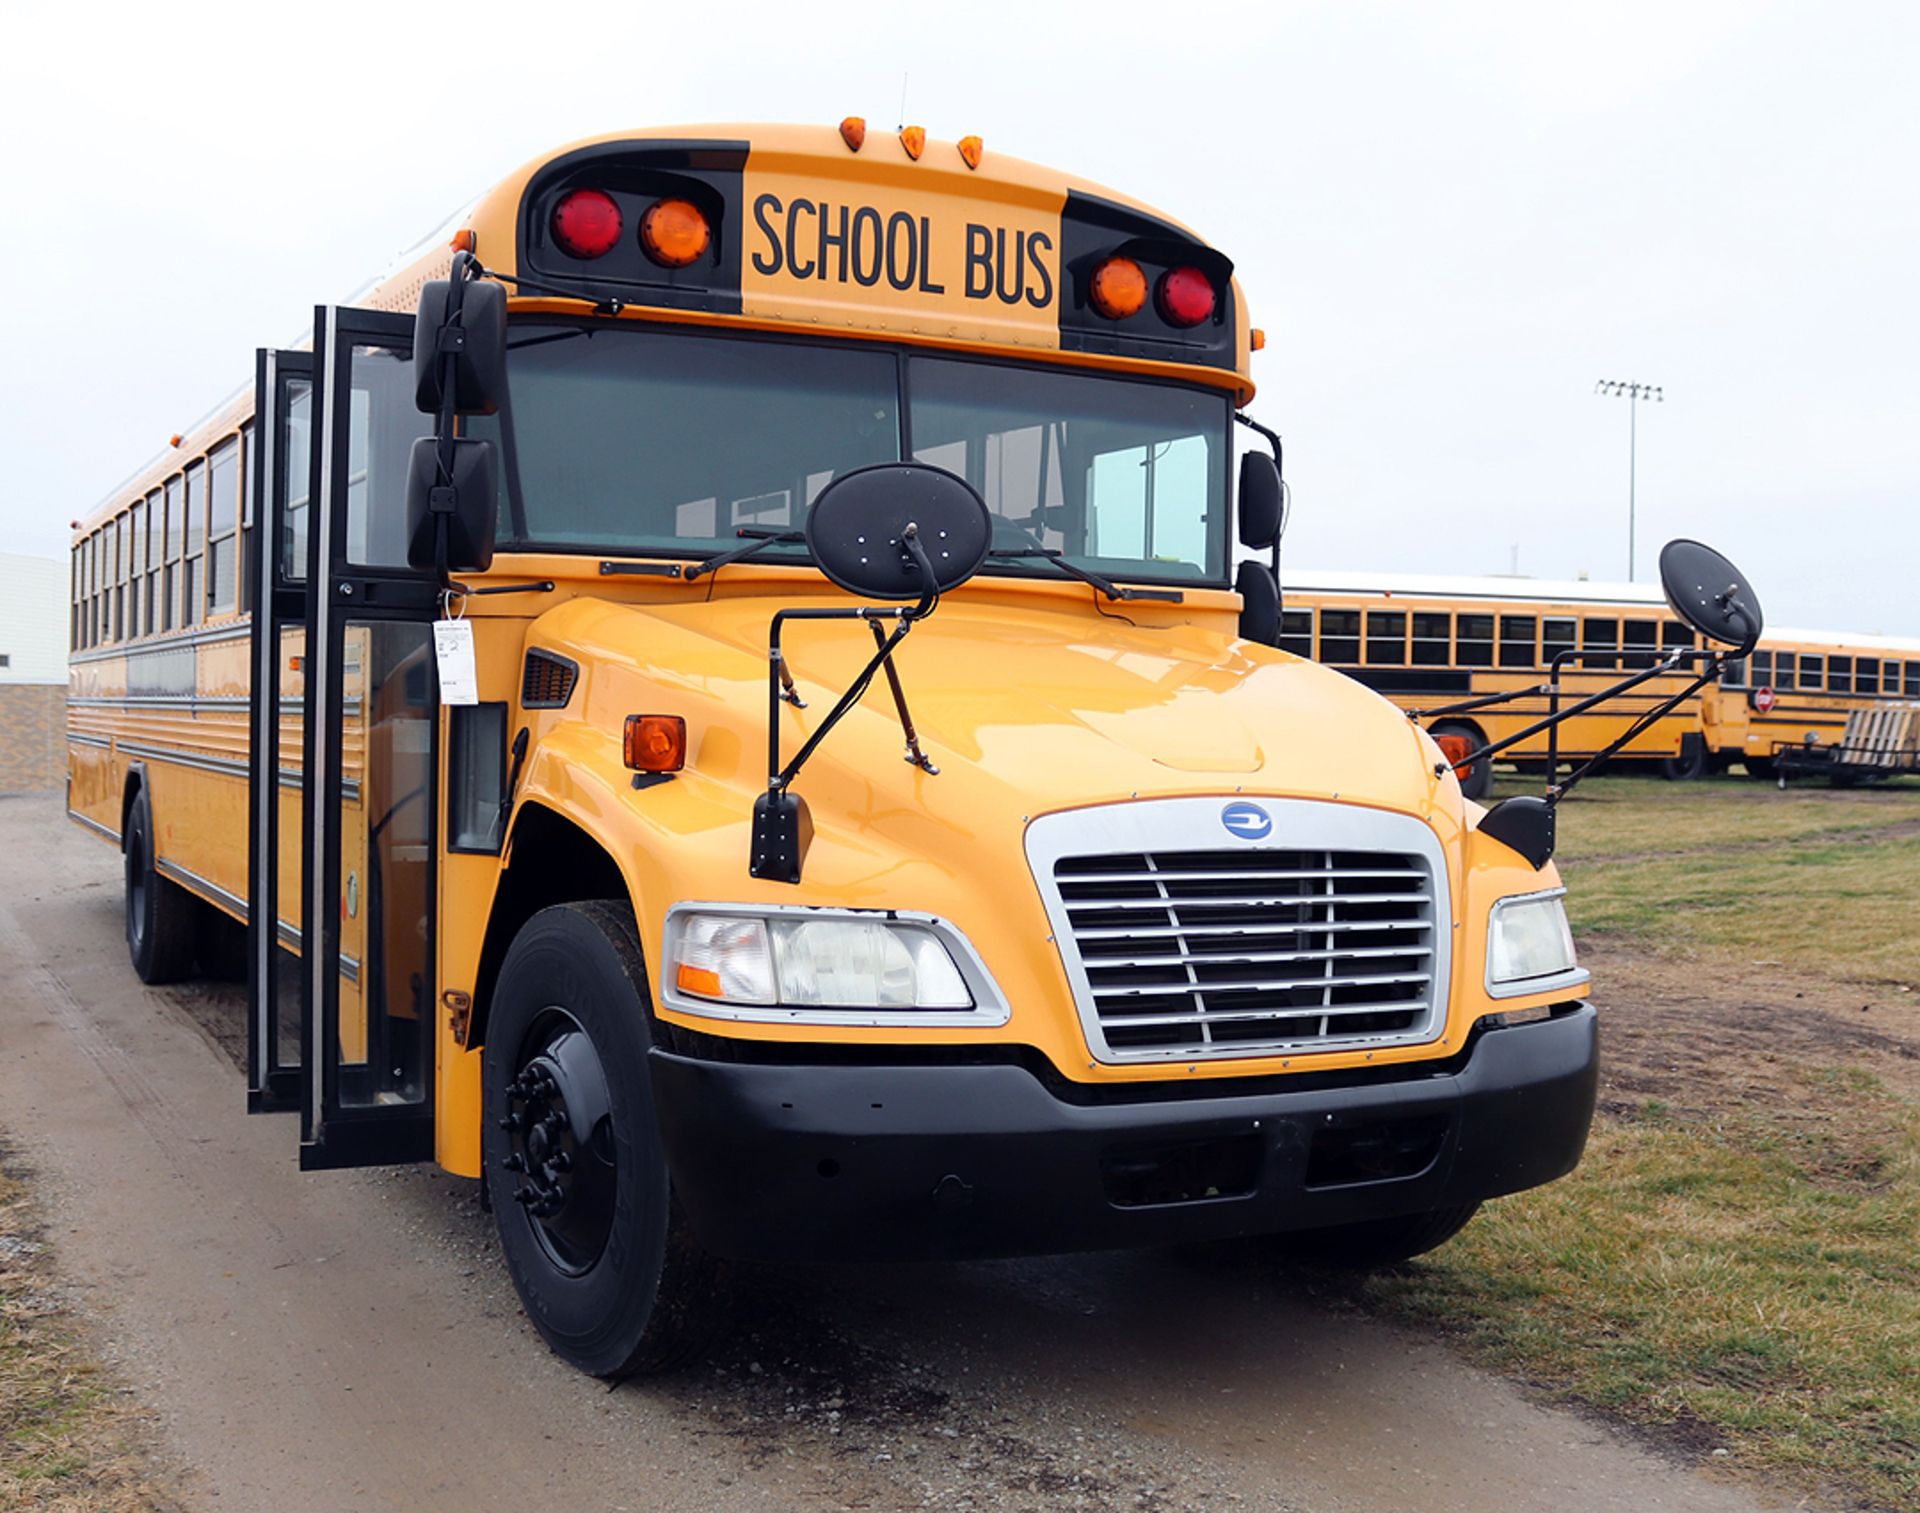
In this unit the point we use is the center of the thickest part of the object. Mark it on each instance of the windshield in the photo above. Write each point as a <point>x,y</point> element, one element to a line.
<point>644,441</point>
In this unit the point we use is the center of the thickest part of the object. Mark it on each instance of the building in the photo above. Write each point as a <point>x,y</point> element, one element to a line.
<point>34,604</point>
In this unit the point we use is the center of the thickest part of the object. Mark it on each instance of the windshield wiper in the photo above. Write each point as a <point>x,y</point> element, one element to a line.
<point>1107,586</point>
<point>761,540</point>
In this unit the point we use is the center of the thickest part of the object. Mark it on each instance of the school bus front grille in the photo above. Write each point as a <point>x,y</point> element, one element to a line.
<point>1209,953</point>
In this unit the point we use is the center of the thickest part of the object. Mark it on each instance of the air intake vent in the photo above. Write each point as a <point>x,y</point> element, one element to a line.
<point>548,681</point>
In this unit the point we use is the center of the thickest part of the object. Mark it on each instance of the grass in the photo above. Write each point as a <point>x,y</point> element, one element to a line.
<point>1735,1272</point>
<point>68,1440</point>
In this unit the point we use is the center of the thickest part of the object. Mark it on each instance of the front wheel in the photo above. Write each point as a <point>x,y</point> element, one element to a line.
<point>1759,767</point>
<point>593,1234</point>
<point>1380,1242</point>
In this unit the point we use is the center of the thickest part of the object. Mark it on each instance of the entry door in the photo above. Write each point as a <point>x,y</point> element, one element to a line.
<point>363,984</point>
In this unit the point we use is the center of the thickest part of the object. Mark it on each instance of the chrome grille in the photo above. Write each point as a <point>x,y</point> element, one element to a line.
<point>1247,949</point>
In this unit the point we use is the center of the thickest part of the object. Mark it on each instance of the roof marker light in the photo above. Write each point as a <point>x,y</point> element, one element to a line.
<point>1119,288</point>
<point>674,233</point>
<point>914,139</point>
<point>1185,296</point>
<point>853,131</point>
<point>970,150</point>
<point>463,240</point>
<point>1257,339</point>
<point>174,441</point>
<point>586,223</point>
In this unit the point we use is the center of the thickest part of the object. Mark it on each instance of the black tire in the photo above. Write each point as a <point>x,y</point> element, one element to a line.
<point>1760,767</point>
<point>1380,1242</point>
<point>1477,781</point>
<point>1690,765</point>
<point>598,1248</point>
<point>163,919</point>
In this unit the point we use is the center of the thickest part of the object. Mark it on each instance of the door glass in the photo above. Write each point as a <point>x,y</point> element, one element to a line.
<point>295,439</point>
<point>385,818</point>
<point>384,424</point>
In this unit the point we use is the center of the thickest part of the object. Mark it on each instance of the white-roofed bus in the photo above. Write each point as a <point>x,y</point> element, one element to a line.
<point>1798,689</point>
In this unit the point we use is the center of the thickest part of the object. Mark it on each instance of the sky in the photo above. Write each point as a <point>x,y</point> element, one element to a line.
<point>1450,220</point>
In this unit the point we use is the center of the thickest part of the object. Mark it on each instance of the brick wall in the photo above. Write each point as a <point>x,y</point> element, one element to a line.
<point>33,736</point>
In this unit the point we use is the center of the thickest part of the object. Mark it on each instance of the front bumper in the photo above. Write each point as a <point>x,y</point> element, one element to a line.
<point>869,1162</point>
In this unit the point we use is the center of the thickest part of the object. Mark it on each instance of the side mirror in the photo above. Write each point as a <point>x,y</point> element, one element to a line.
<point>1262,501</point>
<point>1259,603</point>
<point>860,526</point>
<point>475,335</point>
<point>468,503</point>
<point>1710,594</point>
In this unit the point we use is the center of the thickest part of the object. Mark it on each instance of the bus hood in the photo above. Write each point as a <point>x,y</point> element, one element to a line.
<point>1026,704</point>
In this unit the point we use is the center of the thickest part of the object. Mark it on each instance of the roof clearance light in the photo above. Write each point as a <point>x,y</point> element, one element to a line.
<point>914,139</point>
<point>970,150</point>
<point>1257,339</point>
<point>463,241</point>
<point>587,223</point>
<point>853,131</point>
<point>1185,297</point>
<point>1118,289</point>
<point>674,233</point>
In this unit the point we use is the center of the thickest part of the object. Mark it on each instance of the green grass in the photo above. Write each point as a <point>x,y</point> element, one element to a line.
<point>1731,1269</point>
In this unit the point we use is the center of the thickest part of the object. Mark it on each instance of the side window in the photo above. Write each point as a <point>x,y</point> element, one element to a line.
<point>1674,637</point>
<point>244,592</point>
<point>1296,632</point>
<point>1866,675</point>
<point>385,422</point>
<point>193,583</point>
<point>1386,637</point>
<point>1556,636</point>
<point>1475,645</point>
<point>1639,637</point>
<point>1913,680</point>
<point>1339,636</point>
<point>1812,673</point>
<point>1762,670</point>
<point>1517,646</point>
<point>1839,674</point>
<point>223,526</point>
<point>1600,639</point>
<point>176,542</point>
<point>1783,676</point>
<point>137,568</point>
<point>1736,675</point>
<point>1432,639</point>
<point>155,556</point>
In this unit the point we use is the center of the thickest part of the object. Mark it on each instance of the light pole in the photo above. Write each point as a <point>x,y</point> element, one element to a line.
<point>1632,393</point>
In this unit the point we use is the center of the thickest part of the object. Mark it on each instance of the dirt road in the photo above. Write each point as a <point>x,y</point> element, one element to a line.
<point>350,1340</point>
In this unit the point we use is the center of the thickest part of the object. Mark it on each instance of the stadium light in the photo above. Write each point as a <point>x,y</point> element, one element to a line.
<point>1632,393</point>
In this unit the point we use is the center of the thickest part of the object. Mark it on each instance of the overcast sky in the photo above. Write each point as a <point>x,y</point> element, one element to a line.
<point>1450,220</point>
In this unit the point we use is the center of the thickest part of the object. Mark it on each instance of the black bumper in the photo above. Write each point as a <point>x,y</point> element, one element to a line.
<point>812,1162</point>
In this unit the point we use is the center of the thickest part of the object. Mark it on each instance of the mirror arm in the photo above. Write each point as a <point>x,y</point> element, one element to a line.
<point>608,304</point>
<point>1648,674</point>
<point>1558,791</point>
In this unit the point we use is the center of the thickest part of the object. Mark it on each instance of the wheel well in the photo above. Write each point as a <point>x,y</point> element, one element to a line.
<point>136,780</point>
<point>550,860</point>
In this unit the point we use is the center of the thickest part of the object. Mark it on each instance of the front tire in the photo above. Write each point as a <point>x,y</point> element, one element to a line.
<point>162,922</point>
<point>594,1236</point>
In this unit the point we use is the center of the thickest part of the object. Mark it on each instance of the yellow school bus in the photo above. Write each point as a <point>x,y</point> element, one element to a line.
<point>1157,932</point>
<point>1798,688</point>
<point>1446,649</point>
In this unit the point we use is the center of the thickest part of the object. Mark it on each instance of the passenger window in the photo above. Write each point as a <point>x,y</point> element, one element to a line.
<point>1386,637</point>
<point>1839,674</point>
<point>1432,640</point>
<point>1735,675</point>
<point>1517,647</point>
<point>1474,647</point>
<point>1339,636</point>
<point>192,584</point>
<point>1296,632</point>
<point>1866,675</point>
<point>1762,670</point>
<point>1812,673</point>
<point>1600,639</point>
<point>223,524</point>
<point>1675,637</point>
<point>1913,680</point>
<point>1556,636</point>
<point>1639,638</point>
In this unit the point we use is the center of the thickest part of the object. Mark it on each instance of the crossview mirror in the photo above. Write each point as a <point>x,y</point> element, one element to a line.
<point>466,502</point>
<point>1710,594</point>
<point>1262,501</point>
<point>472,332</point>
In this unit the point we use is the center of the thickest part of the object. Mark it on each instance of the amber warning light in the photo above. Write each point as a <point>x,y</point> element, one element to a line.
<point>656,742</point>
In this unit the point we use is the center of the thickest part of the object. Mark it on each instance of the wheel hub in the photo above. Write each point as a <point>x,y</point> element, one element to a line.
<point>559,1122</point>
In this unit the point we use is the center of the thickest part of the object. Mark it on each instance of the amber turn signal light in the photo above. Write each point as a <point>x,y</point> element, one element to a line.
<point>914,139</point>
<point>656,742</point>
<point>853,131</point>
<point>463,241</point>
<point>1119,288</point>
<point>674,233</point>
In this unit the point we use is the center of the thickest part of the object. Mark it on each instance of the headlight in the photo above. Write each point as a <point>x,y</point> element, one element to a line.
<point>1527,940</point>
<point>769,964</point>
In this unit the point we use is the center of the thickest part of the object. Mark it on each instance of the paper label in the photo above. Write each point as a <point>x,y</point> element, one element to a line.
<point>453,652</point>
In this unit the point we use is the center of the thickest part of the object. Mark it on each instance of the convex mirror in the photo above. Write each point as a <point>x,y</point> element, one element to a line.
<point>1710,594</point>
<point>477,341</point>
<point>856,529</point>
<point>1262,501</point>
